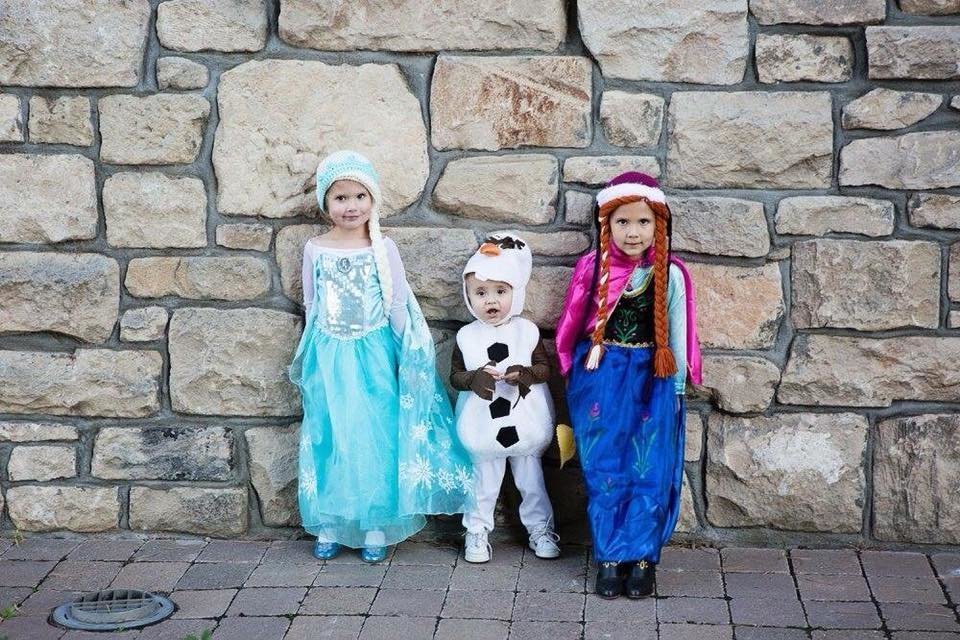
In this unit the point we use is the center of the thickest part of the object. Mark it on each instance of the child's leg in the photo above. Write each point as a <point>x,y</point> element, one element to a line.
<point>488,475</point>
<point>374,539</point>
<point>535,508</point>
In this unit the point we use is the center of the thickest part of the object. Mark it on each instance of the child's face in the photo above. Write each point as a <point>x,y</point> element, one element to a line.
<point>631,226</point>
<point>490,299</point>
<point>349,204</point>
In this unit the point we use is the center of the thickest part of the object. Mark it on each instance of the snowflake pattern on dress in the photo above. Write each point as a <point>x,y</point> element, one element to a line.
<point>419,472</point>
<point>465,478</point>
<point>420,431</point>
<point>446,480</point>
<point>308,481</point>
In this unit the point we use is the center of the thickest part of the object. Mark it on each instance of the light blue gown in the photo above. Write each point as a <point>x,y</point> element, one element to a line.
<point>378,447</point>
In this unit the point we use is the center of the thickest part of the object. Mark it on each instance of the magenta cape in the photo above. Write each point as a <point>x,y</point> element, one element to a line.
<point>579,305</point>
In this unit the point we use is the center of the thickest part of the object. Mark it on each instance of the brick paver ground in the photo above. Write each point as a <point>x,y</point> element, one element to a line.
<point>277,591</point>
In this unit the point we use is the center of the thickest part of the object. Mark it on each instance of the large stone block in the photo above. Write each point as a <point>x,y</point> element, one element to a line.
<point>495,103</point>
<point>155,211</point>
<point>914,53</point>
<point>545,294</point>
<point>163,453</point>
<point>275,126</point>
<point>36,432</point>
<point>741,384</point>
<point>693,443</point>
<point>423,25</point>
<point>87,382</point>
<point>720,226</point>
<point>51,508</point>
<point>746,305</point>
<point>289,249</point>
<point>218,25</point>
<point>11,121</point>
<point>787,57</point>
<point>145,324</point>
<point>74,294</point>
<point>63,120</point>
<point>47,199</point>
<point>916,463</point>
<point>556,243</point>
<point>513,189</point>
<point>820,215</point>
<point>253,237</point>
<point>868,286</point>
<point>198,278</point>
<point>181,74</point>
<point>818,11</point>
<point>886,109</point>
<point>799,472</point>
<point>163,128</point>
<point>953,281</point>
<point>73,43</point>
<point>668,40</point>
<point>687,522</point>
<point>631,119</point>
<point>870,372</point>
<point>923,160</point>
<point>196,510</point>
<point>428,254</point>
<point>599,170</point>
<point>579,207</point>
<point>42,463</point>
<point>930,7</point>
<point>935,210</point>
<point>233,362</point>
<point>273,458</point>
<point>779,140</point>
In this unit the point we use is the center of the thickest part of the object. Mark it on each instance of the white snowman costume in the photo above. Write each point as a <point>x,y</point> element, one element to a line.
<point>512,426</point>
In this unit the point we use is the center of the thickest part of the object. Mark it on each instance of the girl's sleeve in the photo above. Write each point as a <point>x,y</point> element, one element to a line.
<point>677,313</point>
<point>308,286</point>
<point>401,289</point>
<point>571,318</point>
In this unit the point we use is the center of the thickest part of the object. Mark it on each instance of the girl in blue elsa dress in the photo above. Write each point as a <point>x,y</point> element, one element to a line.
<point>378,445</point>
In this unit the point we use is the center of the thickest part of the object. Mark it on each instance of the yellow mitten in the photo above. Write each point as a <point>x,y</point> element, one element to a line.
<point>568,448</point>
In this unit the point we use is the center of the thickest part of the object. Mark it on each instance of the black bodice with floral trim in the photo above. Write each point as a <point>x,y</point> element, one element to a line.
<point>632,319</point>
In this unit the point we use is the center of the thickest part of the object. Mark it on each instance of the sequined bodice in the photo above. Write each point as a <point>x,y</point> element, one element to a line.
<point>348,294</point>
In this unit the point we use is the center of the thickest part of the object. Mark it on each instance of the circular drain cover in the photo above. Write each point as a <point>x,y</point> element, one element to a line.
<point>113,610</point>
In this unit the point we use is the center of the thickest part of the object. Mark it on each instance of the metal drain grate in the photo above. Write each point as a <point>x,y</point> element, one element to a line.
<point>113,610</point>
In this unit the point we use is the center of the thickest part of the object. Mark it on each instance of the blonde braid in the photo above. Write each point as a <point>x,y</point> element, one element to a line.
<point>380,257</point>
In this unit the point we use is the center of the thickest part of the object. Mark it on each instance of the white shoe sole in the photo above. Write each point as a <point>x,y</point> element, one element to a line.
<point>549,555</point>
<point>476,558</point>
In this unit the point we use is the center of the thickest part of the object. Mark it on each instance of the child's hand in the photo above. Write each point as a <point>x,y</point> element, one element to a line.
<point>483,384</point>
<point>496,375</point>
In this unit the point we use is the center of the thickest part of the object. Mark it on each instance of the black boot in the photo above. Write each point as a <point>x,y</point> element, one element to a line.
<point>641,580</point>
<point>609,581</point>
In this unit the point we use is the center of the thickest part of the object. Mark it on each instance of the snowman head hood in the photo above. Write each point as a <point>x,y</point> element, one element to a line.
<point>503,256</point>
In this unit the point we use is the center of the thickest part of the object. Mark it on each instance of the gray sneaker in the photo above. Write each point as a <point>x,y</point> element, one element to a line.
<point>543,541</point>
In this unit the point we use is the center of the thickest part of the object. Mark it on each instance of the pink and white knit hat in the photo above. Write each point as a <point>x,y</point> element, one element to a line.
<point>632,183</point>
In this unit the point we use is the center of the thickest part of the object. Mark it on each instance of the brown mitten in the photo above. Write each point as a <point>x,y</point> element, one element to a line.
<point>483,384</point>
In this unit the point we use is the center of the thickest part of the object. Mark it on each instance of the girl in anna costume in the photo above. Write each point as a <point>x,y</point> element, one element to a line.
<point>627,343</point>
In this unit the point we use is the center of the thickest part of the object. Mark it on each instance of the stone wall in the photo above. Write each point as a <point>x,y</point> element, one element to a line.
<point>156,190</point>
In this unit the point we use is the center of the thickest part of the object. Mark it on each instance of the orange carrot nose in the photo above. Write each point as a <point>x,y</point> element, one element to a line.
<point>489,249</point>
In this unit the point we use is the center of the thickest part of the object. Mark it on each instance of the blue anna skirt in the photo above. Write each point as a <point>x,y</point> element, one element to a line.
<point>629,430</point>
